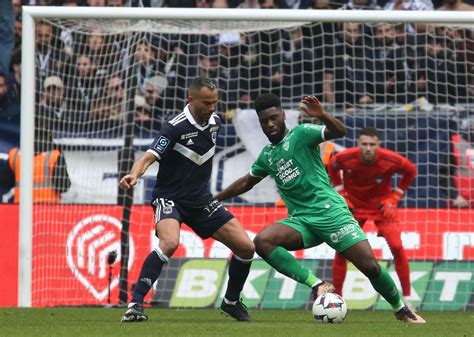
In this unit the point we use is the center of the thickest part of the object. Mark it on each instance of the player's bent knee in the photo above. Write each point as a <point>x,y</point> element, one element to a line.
<point>260,241</point>
<point>245,251</point>
<point>168,246</point>
<point>372,269</point>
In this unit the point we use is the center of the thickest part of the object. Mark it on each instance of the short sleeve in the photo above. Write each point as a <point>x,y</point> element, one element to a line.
<point>164,143</point>
<point>259,168</point>
<point>311,134</point>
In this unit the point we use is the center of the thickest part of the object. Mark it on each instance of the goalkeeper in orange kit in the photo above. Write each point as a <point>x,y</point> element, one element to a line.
<point>366,184</point>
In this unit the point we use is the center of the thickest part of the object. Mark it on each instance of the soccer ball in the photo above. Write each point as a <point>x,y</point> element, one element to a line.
<point>330,308</point>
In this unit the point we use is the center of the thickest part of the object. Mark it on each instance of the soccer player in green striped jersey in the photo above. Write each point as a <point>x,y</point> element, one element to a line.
<point>316,212</point>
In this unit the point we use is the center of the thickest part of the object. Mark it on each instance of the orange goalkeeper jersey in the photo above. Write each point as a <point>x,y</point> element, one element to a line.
<point>367,185</point>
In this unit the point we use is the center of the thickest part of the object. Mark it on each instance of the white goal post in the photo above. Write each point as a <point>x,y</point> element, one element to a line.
<point>258,17</point>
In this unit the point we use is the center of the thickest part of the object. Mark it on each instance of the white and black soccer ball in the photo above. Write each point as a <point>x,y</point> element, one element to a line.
<point>330,308</point>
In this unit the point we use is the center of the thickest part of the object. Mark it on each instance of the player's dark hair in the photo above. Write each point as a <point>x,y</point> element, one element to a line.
<point>200,82</point>
<point>267,100</point>
<point>369,131</point>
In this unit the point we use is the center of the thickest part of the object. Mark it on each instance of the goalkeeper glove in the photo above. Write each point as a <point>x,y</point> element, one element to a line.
<point>389,205</point>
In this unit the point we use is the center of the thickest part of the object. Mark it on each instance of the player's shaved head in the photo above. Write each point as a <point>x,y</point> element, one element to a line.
<point>267,100</point>
<point>201,82</point>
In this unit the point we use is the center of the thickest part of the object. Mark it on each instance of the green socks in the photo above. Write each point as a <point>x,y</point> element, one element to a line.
<point>386,287</point>
<point>285,263</point>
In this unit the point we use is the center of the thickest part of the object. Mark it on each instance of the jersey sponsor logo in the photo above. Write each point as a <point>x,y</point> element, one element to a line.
<point>346,230</point>
<point>161,144</point>
<point>311,126</point>
<point>286,172</point>
<point>378,179</point>
<point>190,135</point>
<point>213,129</point>
<point>214,137</point>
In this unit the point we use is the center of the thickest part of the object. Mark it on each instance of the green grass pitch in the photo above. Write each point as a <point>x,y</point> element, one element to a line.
<point>77,322</point>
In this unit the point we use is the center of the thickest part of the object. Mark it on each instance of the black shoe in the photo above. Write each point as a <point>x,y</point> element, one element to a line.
<point>407,316</point>
<point>237,311</point>
<point>134,313</point>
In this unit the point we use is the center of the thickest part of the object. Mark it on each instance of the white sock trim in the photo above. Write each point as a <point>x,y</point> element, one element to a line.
<point>399,307</point>
<point>317,283</point>
<point>229,302</point>
<point>160,254</point>
<point>242,259</point>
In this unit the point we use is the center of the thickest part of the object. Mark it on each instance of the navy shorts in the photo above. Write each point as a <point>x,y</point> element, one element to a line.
<point>205,221</point>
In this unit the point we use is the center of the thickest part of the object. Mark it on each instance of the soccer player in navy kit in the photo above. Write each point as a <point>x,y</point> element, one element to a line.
<point>184,149</point>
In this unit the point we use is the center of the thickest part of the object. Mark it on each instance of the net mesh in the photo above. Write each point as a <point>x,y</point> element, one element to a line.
<point>103,84</point>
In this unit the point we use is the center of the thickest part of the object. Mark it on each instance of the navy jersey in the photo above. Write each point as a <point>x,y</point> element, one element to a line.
<point>184,150</point>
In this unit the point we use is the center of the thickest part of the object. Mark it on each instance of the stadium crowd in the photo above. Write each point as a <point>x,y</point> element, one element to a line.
<point>82,74</point>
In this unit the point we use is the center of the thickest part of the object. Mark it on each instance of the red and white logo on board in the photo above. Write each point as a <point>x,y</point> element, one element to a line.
<point>88,246</point>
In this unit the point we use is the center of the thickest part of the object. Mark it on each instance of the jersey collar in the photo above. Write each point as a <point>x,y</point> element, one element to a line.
<point>191,119</point>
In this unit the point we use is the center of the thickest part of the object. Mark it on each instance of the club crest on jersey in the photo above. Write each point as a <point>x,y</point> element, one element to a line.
<point>161,144</point>
<point>286,146</point>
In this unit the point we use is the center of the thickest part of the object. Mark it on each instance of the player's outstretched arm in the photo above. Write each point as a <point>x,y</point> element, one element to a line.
<point>238,187</point>
<point>312,107</point>
<point>138,169</point>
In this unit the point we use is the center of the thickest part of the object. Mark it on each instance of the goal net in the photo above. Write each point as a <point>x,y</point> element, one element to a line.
<point>105,86</point>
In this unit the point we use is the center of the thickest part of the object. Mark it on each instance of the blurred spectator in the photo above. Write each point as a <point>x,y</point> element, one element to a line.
<point>117,3</point>
<point>459,43</point>
<point>348,79</point>
<point>172,62</point>
<point>293,4</point>
<point>17,45</point>
<point>104,55</point>
<point>361,5</point>
<point>17,8</point>
<point>220,4</point>
<point>7,34</point>
<point>52,105</point>
<point>49,60</point>
<point>322,4</point>
<point>246,4</point>
<point>144,63</point>
<point>115,96</point>
<point>394,66</point>
<point>204,3</point>
<point>82,88</point>
<point>9,110</point>
<point>301,68</point>
<point>208,66</point>
<point>97,3</point>
<point>436,74</point>
<point>455,5</point>
<point>409,5</point>
<point>155,87</point>
<point>14,78</point>
<point>142,110</point>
